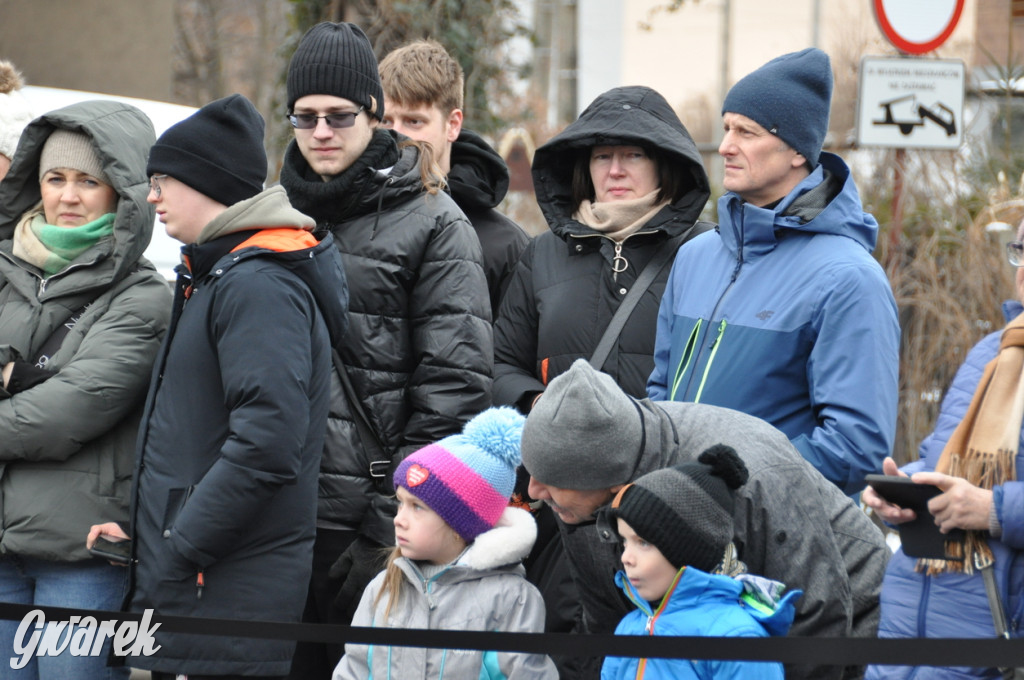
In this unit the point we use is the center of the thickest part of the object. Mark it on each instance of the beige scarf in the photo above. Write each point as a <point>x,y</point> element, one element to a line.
<point>619,219</point>
<point>983,448</point>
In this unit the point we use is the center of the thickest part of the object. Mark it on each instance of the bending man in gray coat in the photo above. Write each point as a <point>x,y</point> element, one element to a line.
<point>585,439</point>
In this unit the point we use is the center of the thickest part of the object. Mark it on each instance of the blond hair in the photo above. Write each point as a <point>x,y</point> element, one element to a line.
<point>394,579</point>
<point>423,73</point>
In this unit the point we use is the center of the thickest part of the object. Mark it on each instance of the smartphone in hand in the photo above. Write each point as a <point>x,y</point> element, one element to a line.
<point>112,551</point>
<point>920,537</point>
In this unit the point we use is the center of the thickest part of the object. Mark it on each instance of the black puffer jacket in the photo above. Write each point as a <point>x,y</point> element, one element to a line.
<point>226,473</point>
<point>419,343</point>
<point>478,181</point>
<point>564,291</point>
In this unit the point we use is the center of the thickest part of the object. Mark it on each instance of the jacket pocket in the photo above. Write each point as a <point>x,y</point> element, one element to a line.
<point>176,499</point>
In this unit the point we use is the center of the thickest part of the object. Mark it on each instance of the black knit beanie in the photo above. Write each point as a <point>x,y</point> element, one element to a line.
<point>686,511</point>
<point>336,59</point>
<point>790,96</point>
<point>218,151</point>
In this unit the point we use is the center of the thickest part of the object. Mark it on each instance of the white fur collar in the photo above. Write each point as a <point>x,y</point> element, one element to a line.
<point>507,543</point>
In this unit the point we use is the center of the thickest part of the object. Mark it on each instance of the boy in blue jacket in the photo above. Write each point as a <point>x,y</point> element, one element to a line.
<point>681,572</point>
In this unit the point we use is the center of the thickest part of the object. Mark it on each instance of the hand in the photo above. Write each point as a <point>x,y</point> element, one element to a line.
<point>890,513</point>
<point>356,567</point>
<point>961,505</point>
<point>111,530</point>
<point>7,371</point>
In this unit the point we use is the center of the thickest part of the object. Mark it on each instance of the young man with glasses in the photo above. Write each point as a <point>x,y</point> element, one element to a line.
<point>224,493</point>
<point>418,355</point>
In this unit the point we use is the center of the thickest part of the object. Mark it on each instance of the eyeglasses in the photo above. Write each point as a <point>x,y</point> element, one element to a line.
<point>1015,253</point>
<point>308,121</point>
<point>154,184</point>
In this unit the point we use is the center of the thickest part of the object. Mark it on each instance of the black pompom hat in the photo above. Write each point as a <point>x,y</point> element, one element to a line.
<point>686,511</point>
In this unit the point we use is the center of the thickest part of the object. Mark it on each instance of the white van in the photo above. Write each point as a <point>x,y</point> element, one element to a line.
<point>164,252</point>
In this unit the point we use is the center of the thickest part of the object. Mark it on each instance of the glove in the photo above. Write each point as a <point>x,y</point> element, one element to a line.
<point>356,567</point>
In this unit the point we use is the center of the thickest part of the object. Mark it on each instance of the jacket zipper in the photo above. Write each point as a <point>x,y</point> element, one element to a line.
<point>714,311</point>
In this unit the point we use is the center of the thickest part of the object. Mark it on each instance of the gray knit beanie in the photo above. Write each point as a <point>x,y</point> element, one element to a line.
<point>336,59</point>
<point>584,433</point>
<point>71,150</point>
<point>686,511</point>
<point>790,96</point>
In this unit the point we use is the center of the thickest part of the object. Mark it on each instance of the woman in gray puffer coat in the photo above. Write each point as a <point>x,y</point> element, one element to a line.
<point>82,314</point>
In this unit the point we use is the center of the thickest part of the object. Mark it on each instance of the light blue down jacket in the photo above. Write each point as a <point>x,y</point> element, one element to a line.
<point>955,605</point>
<point>783,314</point>
<point>702,604</point>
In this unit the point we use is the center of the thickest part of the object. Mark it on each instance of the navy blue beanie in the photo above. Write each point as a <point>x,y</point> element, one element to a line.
<point>790,96</point>
<point>218,151</point>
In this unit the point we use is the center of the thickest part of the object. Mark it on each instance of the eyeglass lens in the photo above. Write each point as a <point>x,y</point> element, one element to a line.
<point>308,121</point>
<point>154,184</point>
<point>1015,253</point>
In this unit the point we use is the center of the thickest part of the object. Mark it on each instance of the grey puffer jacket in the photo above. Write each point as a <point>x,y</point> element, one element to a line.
<point>791,525</point>
<point>67,450</point>
<point>485,590</point>
<point>419,345</point>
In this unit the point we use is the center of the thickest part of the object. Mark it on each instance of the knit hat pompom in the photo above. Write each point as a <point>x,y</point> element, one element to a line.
<point>467,478</point>
<point>790,96</point>
<point>500,433</point>
<point>218,151</point>
<point>10,79</point>
<point>15,112</point>
<point>686,511</point>
<point>724,463</point>
<point>336,59</point>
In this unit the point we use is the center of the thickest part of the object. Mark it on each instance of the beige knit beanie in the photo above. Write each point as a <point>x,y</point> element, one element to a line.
<point>72,150</point>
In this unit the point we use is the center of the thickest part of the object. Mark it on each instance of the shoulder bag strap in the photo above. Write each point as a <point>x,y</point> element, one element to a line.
<point>661,259</point>
<point>380,462</point>
<point>995,604</point>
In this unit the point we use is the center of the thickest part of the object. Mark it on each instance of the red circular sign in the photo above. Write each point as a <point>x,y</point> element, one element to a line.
<point>899,20</point>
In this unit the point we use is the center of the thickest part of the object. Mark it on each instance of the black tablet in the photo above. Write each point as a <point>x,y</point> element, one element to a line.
<point>920,537</point>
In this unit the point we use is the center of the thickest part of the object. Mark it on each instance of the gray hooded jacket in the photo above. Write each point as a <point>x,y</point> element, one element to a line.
<point>485,590</point>
<point>66,456</point>
<point>791,525</point>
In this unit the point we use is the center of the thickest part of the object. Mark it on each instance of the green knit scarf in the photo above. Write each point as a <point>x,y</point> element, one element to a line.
<point>53,248</point>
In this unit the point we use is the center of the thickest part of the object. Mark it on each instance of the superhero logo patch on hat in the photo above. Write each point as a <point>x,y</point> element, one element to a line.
<point>416,475</point>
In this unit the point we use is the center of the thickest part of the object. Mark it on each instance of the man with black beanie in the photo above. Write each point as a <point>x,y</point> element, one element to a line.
<point>417,361</point>
<point>224,495</point>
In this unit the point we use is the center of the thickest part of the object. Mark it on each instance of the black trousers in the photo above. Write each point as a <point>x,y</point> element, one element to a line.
<point>315,660</point>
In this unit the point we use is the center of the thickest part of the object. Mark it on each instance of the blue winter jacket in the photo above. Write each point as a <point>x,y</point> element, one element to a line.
<point>701,604</point>
<point>955,605</point>
<point>783,314</point>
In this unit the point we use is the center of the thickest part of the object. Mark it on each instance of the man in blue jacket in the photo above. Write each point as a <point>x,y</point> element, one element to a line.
<point>782,312</point>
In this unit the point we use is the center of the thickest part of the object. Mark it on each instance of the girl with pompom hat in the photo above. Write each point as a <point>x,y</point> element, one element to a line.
<point>458,560</point>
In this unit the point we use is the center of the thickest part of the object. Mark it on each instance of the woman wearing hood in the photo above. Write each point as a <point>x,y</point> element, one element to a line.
<point>621,187</point>
<point>82,314</point>
<point>617,186</point>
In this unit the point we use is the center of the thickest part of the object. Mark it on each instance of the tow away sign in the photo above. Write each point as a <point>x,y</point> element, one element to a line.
<point>911,103</point>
